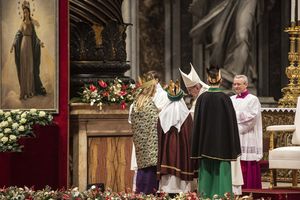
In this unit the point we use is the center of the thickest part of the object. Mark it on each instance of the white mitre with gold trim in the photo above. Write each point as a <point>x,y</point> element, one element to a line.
<point>192,78</point>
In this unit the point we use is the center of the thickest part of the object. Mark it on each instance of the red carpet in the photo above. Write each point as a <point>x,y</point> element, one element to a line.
<point>274,194</point>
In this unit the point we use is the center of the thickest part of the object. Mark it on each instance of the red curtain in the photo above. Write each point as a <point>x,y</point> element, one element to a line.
<point>44,160</point>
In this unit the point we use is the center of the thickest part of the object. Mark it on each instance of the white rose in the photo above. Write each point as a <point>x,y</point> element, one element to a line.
<point>32,110</point>
<point>75,189</point>
<point>3,124</point>
<point>7,130</point>
<point>15,111</point>
<point>21,128</point>
<point>94,94</point>
<point>1,112</point>
<point>93,187</point>
<point>92,102</point>
<point>4,139</point>
<point>50,118</point>
<point>76,194</point>
<point>23,121</point>
<point>132,85</point>
<point>7,114</point>
<point>1,135</point>
<point>42,114</point>
<point>12,137</point>
<point>9,119</point>
<point>24,114</point>
<point>15,125</point>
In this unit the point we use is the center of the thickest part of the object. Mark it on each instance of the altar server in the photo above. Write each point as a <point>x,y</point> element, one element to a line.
<point>248,114</point>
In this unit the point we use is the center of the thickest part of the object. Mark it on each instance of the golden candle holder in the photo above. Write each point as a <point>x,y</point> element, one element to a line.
<point>292,90</point>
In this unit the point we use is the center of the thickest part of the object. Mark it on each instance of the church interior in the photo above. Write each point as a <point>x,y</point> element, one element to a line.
<point>87,60</point>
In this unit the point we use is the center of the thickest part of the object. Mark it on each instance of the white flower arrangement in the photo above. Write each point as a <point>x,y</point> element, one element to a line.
<point>15,124</point>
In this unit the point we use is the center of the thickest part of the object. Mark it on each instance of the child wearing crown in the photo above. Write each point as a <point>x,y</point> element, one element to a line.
<point>143,116</point>
<point>215,138</point>
<point>174,168</point>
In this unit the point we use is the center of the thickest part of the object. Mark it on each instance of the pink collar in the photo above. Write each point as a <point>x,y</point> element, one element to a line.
<point>242,95</point>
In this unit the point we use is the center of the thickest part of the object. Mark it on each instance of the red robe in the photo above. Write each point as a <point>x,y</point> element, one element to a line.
<point>174,151</point>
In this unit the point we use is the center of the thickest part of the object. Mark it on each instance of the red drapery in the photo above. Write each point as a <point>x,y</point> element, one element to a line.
<point>44,160</point>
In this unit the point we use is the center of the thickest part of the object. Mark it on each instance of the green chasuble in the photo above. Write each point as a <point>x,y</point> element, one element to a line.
<point>214,178</point>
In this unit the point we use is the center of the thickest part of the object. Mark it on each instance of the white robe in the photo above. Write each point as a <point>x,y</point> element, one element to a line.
<point>236,177</point>
<point>248,114</point>
<point>192,110</point>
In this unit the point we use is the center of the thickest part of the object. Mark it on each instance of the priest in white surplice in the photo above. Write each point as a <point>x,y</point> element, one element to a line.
<point>248,113</point>
<point>195,88</point>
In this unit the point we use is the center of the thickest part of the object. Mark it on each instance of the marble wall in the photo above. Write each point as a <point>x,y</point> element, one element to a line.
<point>151,36</point>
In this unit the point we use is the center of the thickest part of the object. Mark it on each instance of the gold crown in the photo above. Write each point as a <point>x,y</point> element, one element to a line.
<point>173,88</point>
<point>146,81</point>
<point>174,91</point>
<point>25,4</point>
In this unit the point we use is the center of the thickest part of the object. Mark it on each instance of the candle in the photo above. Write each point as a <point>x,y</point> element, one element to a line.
<point>293,5</point>
<point>298,10</point>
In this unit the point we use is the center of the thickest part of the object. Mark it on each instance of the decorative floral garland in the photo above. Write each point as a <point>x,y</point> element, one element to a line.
<point>16,124</point>
<point>107,92</point>
<point>95,193</point>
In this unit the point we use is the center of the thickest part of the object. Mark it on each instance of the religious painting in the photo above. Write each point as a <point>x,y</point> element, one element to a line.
<point>29,54</point>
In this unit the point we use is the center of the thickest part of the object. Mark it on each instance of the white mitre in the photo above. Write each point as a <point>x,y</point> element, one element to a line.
<point>192,78</point>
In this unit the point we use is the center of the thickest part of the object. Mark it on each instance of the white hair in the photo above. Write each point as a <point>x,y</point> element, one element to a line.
<point>245,78</point>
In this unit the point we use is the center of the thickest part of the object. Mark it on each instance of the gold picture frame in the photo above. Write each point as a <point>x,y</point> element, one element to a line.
<point>29,54</point>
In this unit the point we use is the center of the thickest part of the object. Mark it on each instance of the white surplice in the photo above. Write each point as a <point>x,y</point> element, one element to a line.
<point>248,114</point>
